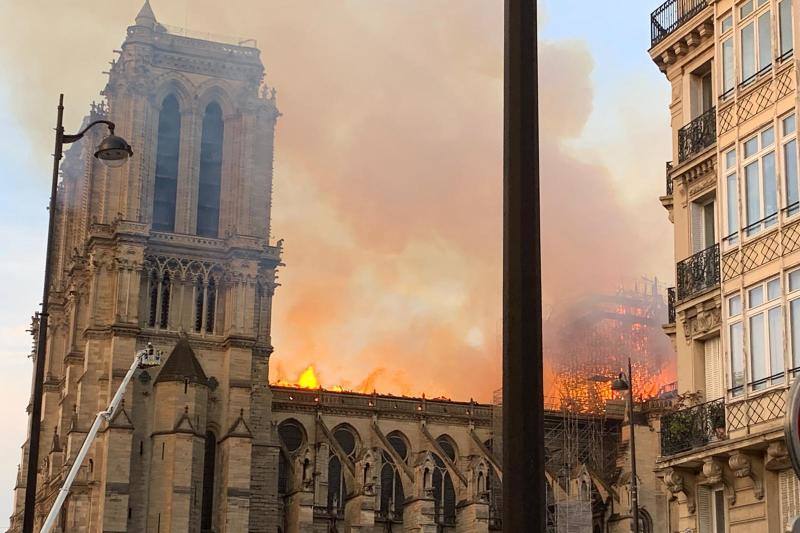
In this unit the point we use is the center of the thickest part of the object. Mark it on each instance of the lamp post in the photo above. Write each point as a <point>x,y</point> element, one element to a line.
<point>113,151</point>
<point>621,384</point>
<point>523,398</point>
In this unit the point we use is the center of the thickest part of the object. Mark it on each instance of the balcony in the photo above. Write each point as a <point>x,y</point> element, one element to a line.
<point>671,15</point>
<point>671,305</point>
<point>692,428</point>
<point>698,273</point>
<point>697,135</point>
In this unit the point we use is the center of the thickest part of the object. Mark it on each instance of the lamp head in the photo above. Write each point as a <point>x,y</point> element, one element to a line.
<point>113,151</point>
<point>620,384</point>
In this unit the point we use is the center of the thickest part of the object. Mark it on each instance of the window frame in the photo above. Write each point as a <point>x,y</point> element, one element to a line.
<point>759,8</point>
<point>763,309</point>
<point>764,222</point>
<point>789,210</point>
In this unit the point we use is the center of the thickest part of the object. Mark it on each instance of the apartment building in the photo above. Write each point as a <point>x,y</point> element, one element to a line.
<point>733,195</point>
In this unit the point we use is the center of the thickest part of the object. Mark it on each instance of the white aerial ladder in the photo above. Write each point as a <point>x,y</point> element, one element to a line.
<point>145,358</point>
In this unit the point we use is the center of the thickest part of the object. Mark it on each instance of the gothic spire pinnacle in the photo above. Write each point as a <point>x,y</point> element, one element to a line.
<point>146,17</point>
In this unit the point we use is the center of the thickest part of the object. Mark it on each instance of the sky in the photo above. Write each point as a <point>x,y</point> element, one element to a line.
<point>388,174</point>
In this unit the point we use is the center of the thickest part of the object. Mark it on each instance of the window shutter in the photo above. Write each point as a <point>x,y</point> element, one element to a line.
<point>715,388</point>
<point>703,509</point>
<point>789,487</point>
<point>697,227</point>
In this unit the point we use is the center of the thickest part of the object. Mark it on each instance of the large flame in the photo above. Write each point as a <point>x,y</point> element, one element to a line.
<point>308,379</point>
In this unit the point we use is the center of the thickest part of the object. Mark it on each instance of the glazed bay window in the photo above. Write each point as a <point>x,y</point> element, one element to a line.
<point>755,38</point>
<point>760,184</point>
<point>793,303</point>
<point>789,154</point>
<point>785,28</point>
<point>765,332</point>
<point>731,198</point>
<point>736,344</point>
<point>728,68</point>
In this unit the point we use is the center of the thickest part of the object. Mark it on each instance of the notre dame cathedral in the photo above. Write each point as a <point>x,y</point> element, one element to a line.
<point>174,249</point>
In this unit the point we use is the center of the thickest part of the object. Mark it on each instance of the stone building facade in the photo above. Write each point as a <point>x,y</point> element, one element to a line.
<point>732,195</point>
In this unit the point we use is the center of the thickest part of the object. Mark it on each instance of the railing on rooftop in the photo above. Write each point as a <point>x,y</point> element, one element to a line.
<point>671,15</point>
<point>693,427</point>
<point>698,273</point>
<point>225,39</point>
<point>697,135</point>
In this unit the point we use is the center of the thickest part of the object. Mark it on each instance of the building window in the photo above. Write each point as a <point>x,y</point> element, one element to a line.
<point>166,286</point>
<point>755,38</point>
<point>731,198</point>
<point>760,187</point>
<point>703,233</point>
<point>392,497</point>
<point>788,127</point>
<point>210,172</point>
<point>159,299</point>
<point>765,332</point>
<point>736,344</point>
<point>209,464</point>
<point>205,304</point>
<point>444,495</point>
<point>785,27</point>
<point>793,302</point>
<point>789,488</point>
<point>711,509</point>
<point>167,153</point>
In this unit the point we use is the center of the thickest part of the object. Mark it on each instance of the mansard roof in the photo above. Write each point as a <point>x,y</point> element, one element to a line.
<point>182,364</point>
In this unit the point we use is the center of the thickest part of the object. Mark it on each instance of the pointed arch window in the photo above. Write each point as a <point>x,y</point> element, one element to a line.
<point>205,304</point>
<point>210,172</point>
<point>444,495</point>
<point>167,154</point>
<point>159,296</point>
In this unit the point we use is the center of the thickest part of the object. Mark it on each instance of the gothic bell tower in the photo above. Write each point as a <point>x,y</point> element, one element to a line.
<point>174,249</point>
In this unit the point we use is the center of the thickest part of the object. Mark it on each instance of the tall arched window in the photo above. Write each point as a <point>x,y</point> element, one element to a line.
<point>444,495</point>
<point>392,496</point>
<point>166,182</point>
<point>207,512</point>
<point>337,488</point>
<point>210,172</point>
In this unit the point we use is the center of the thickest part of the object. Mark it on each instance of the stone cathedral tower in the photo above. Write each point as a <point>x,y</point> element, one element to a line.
<point>172,249</point>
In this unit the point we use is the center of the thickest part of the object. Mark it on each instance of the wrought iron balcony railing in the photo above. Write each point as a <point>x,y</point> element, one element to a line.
<point>698,273</point>
<point>693,427</point>
<point>671,305</point>
<point>697,135</point>
<point>669,178</point>
<point>671,15</point>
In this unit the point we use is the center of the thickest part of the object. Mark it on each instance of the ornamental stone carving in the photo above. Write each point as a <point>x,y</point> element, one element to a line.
<point>777,457</point>
<point>742,467</point>
<point>678,485</point>
<point>703,322</point>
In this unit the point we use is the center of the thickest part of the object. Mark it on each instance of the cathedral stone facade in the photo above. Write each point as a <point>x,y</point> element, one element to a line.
<point>173,249</point>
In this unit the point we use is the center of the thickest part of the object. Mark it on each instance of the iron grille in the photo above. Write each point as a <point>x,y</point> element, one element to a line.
<point>693,427</point>
<point>697,135</point>
<point>671,305</point>
<point>671,15</point>
<point>698,273</point>
<point>669,178</point>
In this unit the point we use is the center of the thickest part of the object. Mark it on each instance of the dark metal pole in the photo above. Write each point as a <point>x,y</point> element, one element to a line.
<point>41,342</point>
<point>634,479</point>
<point>523,402</point>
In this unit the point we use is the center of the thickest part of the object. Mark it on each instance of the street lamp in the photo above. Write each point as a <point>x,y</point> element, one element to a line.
<point>620,384</point>
<point>113,151</point>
